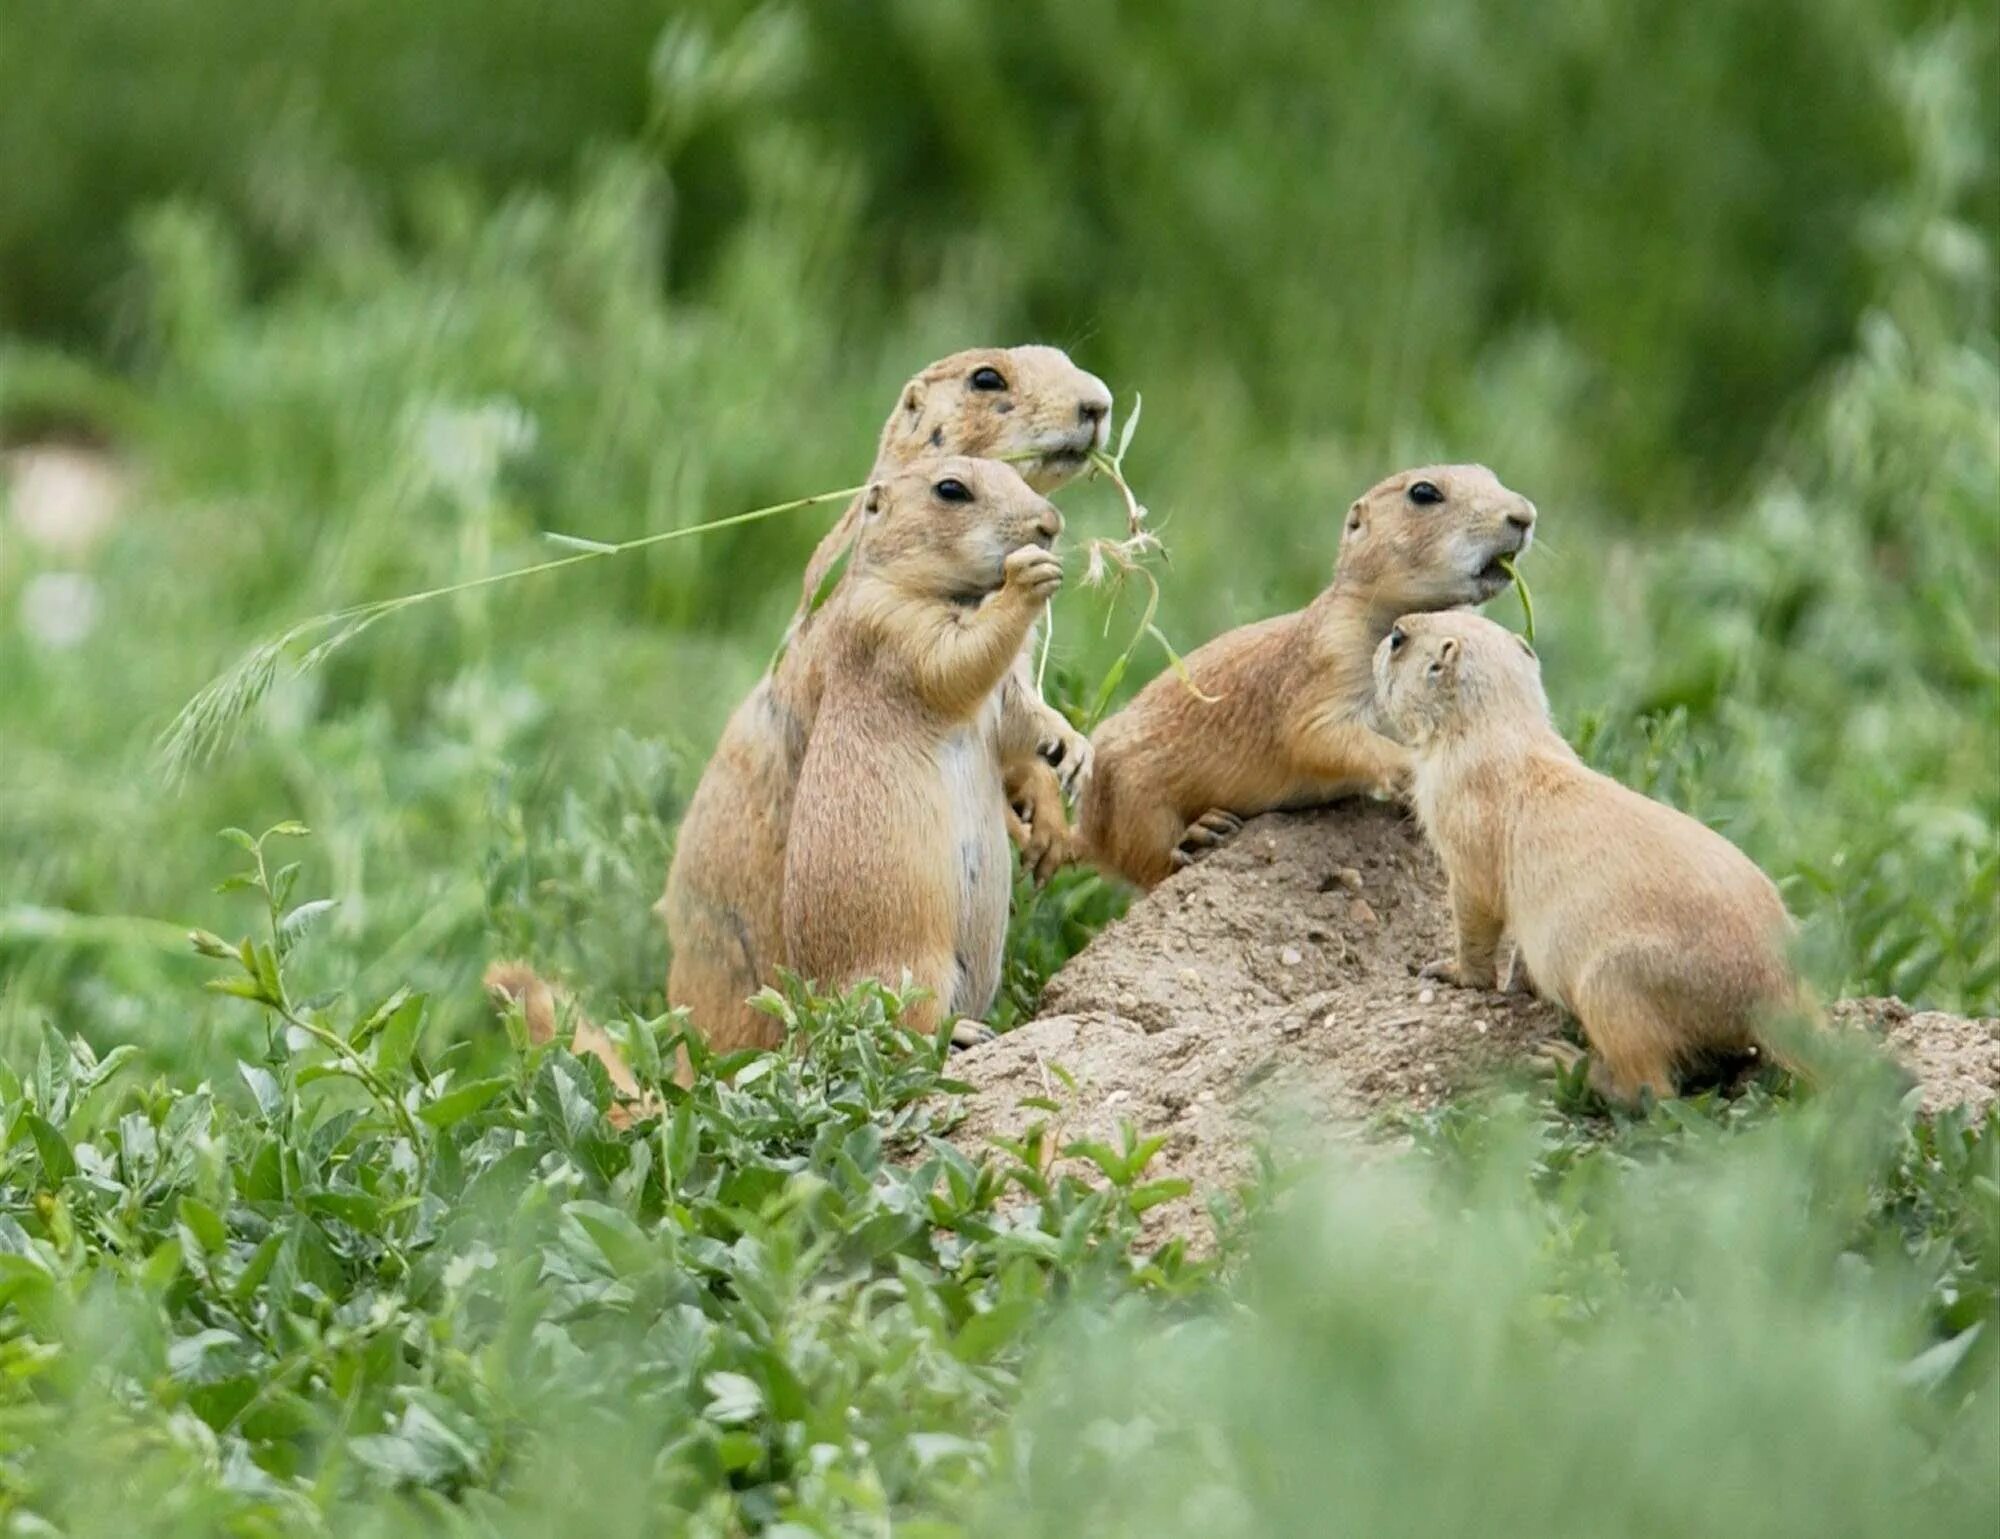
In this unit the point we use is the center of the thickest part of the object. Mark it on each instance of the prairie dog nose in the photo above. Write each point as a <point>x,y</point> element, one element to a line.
<point>1523,516</point>
<point>1093,407</point>
<point>1050,524</point>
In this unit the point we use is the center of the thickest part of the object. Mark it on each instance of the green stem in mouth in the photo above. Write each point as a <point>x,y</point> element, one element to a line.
<point>1521,591</point>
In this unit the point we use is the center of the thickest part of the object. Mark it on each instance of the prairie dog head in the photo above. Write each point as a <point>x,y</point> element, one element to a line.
<point>999,403</point>
<point>1432,538</point>
<point>1445,674</point>
<point>944,527</point>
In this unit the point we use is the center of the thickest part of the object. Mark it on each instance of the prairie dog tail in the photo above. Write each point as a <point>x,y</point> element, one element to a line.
<point>542,1003</point>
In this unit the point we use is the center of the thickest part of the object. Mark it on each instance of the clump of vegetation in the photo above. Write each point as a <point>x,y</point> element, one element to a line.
<point>369,1275</point>
<point>1720,1317</point>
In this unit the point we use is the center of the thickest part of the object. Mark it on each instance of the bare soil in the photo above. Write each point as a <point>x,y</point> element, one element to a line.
<point>1273,989</point>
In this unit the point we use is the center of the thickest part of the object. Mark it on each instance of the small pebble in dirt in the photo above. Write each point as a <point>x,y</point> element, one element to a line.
<point>1127,1003</point>
<point>1291,956</point>
<point>1206,1097</point>
<point>1350,878</point>
<point>1117,1096</point>
<point>1425,997</point>
<point>1480,1027</point>
<point>1190,979</point>
<point>1362,914</point>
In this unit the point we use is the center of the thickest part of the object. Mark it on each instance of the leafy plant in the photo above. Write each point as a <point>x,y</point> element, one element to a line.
<point>367,1272</point>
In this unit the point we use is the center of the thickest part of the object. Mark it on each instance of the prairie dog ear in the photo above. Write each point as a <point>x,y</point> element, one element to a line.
<point>871,505</point>
<point>1354,515</point>
<point>1445,664</point>
<point>913,397</point>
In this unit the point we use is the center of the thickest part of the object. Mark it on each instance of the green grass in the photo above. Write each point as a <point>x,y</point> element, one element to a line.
<point>1716,288</point>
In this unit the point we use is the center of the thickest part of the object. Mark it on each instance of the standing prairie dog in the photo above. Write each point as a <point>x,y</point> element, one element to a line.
<point>896,862</point>
<point>1284,723</point>
<point>724,888</point>
<point>1654,931</point>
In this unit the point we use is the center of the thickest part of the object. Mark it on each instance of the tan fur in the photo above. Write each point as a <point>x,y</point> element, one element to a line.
<point>896,862</point>
<point>1654,931</point>
<point>724,891</point>
<point>542,1004</point>
<point>1286,722</point>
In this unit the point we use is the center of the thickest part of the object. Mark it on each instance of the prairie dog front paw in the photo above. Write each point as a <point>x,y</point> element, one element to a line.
<point>1036,574</point>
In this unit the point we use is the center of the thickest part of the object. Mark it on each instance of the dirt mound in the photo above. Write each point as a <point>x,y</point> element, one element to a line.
<point>1274,987</point>
<point>1954,1058</point>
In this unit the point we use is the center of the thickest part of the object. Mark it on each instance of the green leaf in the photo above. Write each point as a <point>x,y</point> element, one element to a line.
<point>257,1268</point>
<point>1131,427</point>
<point>682,1140</point>
<point>58,1164</point>
<point>624,1245</point>
<point>240,988</point>
<point>1153,1193</point>
<point>204,1223</point>
<point>399,1034</point>
<point>461,1101</point>
<point>263,1088</point>
<point>565,1096</point>
<point>294,927</point>
<point>362,1211</point>
<point>109,1065</point>
<point>161,1267</point>
<point>732,1398</point>
<point>985,1334</point>
<point>740,1451</point>
<point>1109,1162</point>
<point>1930,1368</point>
<point>263,1178</point>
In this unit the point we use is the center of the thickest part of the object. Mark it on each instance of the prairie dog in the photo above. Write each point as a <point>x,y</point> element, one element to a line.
<point>896,861</point>
<point>724,888</point>
<point>1654,931</point>
<point>1285,724</point>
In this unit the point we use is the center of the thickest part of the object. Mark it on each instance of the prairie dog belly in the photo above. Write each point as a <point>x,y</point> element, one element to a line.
<point>969,767</point>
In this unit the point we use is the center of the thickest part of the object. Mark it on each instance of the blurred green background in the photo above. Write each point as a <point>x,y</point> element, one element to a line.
<point>359,298</point>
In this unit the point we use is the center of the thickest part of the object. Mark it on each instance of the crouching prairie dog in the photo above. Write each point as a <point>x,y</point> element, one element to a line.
<point>725,885</point>
<point>1654,931</point>
<point>896,862</point>
<point>1285,718</point>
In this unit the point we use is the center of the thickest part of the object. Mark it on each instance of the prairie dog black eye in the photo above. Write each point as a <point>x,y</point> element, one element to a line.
<point>949,490</point>
<point>1397,636</point>
<point>1424,493</point>
<point>988,379</point>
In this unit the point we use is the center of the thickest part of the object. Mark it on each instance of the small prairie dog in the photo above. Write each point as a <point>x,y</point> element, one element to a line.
<point>725,886</point>
<point>1654,931</point>
<point>896,861</point>
<point>1285,721</point>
